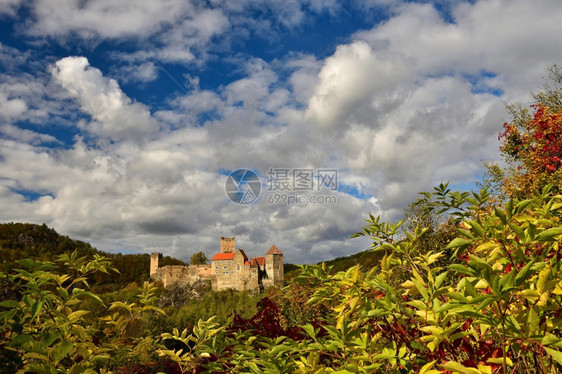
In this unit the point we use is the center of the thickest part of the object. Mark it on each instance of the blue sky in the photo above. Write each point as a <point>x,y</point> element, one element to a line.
<point>120,121</point>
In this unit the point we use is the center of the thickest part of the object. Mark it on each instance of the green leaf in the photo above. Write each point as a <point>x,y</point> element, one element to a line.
<point>557,355</point>
<point>532,321</point>
<point>506,282</point>
<point>439,279</point>
<point>48,338</point>
<point>524,273</point>
<point>81,293</point>
<point>462,269</point>
<point>422,290</point>
<point>518,230</point>
<point>458,242</point>
<point>487,301</point>
<point>9,304</point>
<point>500,215</point>
<point>27,263</point>
<point>499,360</point>
<point>477,228</point>
<point>77,315</point>
<point>550,339</point>
<point>36,308</point>
<point>509,209</point>
<point>20,339</point>
<point>550,234</point>
<point>280,349</point>
<point>522,205</point>
<point>61,350</point>
<point>309,329</point>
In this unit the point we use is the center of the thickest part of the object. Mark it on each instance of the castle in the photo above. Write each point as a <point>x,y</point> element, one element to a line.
<point>229,269</point>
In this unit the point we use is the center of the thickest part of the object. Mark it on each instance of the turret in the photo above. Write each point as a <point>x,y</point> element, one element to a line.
<point>154,262</point>
<point>227,245</point>
<point>274,266</point>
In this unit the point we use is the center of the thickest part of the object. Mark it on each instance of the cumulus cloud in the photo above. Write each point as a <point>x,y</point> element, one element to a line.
<point>351,75</point>
<point>104,18</point>
<point>115,114</point>
<point>25,136</point>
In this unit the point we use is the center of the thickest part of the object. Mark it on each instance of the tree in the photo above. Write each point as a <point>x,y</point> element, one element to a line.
<point>532,142</point>
<point>199,258</point>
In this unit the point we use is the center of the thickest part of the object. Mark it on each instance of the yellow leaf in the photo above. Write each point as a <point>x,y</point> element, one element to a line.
<point>485,369</point>
<point>435,330</point>
<point>456,367</point>
<point>434,257</point>
<point>558,289</point>
<point>481,284</point>
<point>486,247</point>
<point>426,369</point>
<point>543,299</point>
<point>418,277</point>
<point>499,360</point>
<point>543,277</point>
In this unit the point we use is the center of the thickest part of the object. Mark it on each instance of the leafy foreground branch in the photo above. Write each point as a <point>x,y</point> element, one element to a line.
<point>52,327</point>
<point>495,308</point>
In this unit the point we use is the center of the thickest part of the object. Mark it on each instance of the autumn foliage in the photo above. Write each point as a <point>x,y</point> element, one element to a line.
<point>535,143</point>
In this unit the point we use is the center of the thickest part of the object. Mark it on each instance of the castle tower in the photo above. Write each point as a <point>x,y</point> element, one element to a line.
<point>227,245</point>
<point>274,266</point>
<point>154,262</point>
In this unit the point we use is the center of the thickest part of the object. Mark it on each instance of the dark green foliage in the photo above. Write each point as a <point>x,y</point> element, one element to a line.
<point>39,242</point>
<point>19,241</point>
<point>199,258</point>
<point>222,305</point>
<point>365,259</point>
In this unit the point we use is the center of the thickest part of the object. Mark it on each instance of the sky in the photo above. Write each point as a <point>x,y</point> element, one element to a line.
<point>143,126</point>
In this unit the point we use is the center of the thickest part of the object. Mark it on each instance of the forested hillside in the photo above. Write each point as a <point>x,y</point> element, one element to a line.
<point>39,242</point>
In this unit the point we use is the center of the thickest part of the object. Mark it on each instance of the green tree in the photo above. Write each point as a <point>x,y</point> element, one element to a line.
<point>199,258</point>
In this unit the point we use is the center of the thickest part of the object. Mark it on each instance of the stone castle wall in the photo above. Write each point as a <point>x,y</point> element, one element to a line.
<point>229,269</point>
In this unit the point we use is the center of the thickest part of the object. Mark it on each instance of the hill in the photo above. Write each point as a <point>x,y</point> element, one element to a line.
<point>366,259</point>
<point>39,242</point>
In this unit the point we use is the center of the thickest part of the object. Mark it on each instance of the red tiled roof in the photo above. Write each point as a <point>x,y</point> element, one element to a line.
<point>274,251</point>
<point>223,256</point>
<point>247,263</point>
<point>260,261</point>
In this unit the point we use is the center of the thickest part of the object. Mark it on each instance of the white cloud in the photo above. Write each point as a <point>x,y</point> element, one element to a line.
<point>10,108</point>
<point>25,136</point>
<point>104,18</point>
<point>115,115</point>
<point>9,7</point>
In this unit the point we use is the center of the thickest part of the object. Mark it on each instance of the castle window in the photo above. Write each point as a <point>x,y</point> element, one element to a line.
<point>238,267</point>
<point>224,267</point>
